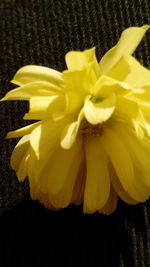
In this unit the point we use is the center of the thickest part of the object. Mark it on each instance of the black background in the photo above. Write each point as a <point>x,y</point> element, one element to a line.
<point>41,32</point>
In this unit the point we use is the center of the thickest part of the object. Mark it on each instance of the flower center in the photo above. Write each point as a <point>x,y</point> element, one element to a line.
<point>87,129</point>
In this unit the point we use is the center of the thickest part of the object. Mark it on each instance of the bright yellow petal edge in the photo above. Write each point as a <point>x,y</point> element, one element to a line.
<point>91,141</point>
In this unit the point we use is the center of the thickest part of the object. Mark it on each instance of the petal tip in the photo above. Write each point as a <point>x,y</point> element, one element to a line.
<point>3,99</point>
<point>146,27</point>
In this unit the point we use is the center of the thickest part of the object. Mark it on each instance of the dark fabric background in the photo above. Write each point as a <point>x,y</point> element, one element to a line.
<point>41,32</point>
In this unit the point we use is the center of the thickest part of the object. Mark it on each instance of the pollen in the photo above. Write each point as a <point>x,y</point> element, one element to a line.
<point>87,130</point>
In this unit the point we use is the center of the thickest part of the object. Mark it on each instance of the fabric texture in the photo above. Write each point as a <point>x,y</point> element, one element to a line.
<point>41,32</point>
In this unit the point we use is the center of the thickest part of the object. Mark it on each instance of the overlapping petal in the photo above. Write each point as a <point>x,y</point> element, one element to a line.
<point>92,143</point>
<point>55,177</point>
<point>19,152</point>
<point>99,112</point>
<point>119,188</point>
<point>29,90</point>
<point>32,73</point>
<point>131,72</point>
<point>70,132</point>
<point>41,108</point>
<point>79,83</point>
<point>23,131</point>
<point>46,136</point>
<point>128,42</point>
<point>136,149</point>
<point>111,203</point>
<point>77,60</point>
<point>119,156</point>
<point>105,86</point>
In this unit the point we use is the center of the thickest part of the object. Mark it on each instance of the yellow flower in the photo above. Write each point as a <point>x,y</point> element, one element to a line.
<point>91,141</point>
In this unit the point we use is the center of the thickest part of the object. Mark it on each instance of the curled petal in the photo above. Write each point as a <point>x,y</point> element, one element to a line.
<point>19,152</point>
<point>22,171</point>
<point>34,188</point>
<point>70,131</point>
<point>128,42</point>
<point>43,107</point>
<point>79,83</point>
<point>27,91</point>
<point>20,157</point>
<point>76,60</point>
<point>99,112</point>
<point>131,115</point>
<point>31,73</point>
<point>106,85</point>
<point>23,131</point>
<point>131,72</point>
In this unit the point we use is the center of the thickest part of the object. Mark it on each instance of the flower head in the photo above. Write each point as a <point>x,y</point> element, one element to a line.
<point>91,141</point>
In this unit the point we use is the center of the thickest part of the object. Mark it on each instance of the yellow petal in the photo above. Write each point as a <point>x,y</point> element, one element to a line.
<point>20,157</point>
<point>70,131</point>
<point>129,70</point>
<point>78,84</point>
<point>128,111</point>
<point>133,115</point>
<point>32,165</point>
<point>118,187</point>
<point>23,131</point>
<point>139,190</point>
<point>143,101</point>
<point>99,112</point>
<point>22,171</point>
<point>80,79</point>
<point>145,118</point>
<point>123,103</point>
<point>46,136</point>
<point>38,195</point>
<point>111,203</point>
<point>19,152</point>
<point>76,60</point>
<point>58,170</point>
<point>140,157</point>
<point>32,73</point>
<point>27,91</point>
<point>97,186</point>
<point>78,191</point>
<point>43,107</point>
<point>119,157</point>
<point>63,198</point>
<point>44,199</point>
<point>105,86</point>
<point>128,42</point>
